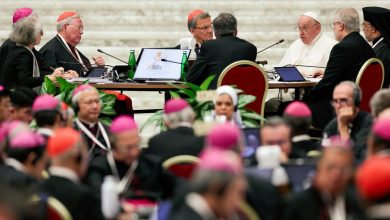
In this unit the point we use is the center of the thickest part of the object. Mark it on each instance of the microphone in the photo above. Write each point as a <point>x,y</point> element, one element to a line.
<point>170,61</point>
<point>262,62</point>
<point>280,41</point>
<point>100,51</point>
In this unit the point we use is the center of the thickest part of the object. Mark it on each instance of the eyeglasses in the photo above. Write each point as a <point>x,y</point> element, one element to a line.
<point>80,27</point>
<point>366,24</point>
<point>304,29</point>
<point>334,24</point>
<point>205,28</point>
<point>92,101</point>
<point>342,102</point>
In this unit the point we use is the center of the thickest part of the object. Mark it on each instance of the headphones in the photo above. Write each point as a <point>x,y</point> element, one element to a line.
<point>357,95</point>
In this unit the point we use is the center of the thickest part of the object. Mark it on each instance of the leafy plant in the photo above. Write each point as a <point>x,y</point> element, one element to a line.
<point>203,108</point>
<point>64,91</point>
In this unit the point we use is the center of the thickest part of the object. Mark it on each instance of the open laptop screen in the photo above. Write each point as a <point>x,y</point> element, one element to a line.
<point>159,64</point>
<point>289,74</point>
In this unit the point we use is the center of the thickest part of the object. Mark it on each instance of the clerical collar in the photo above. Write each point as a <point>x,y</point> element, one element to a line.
<point>15,164</point>
<point>199,205</point>
<point>302,137</point>
<point>88,124</point>
<point>45,131</point>
<point>65,173</point>
<point>376,41</point>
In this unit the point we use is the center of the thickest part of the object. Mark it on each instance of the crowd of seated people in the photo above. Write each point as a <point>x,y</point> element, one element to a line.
<point>98,171</point>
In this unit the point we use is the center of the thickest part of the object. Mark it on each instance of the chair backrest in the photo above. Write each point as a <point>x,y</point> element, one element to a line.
<point>250,78</point>
<point>246,212</point>
<point>54,209</point>
<point>182,165</point>
<point>370,80</point>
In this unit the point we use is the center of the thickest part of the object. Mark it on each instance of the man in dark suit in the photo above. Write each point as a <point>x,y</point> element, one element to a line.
<point>69,159</point>
<point>345,61</point>
<point>376,28</point>
<point>62,51</point>
<point>329,197</point>
<point>178,117</point>
<point>217,54</point>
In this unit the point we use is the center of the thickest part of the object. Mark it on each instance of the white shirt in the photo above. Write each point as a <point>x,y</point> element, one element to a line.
<point>199,205</point>
<point>315,54</point>
<point>15,164</point>
<point>64,172</point>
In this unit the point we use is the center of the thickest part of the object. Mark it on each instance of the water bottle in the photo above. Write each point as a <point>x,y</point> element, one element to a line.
<point>110,197</point>
<point>132,65</point>
<point>184,66</point>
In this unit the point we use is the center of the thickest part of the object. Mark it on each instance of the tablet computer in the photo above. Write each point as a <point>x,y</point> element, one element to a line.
<point>289,74</point>
<point>95,72</point>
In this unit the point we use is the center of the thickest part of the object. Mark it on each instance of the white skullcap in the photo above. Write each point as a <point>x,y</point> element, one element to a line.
<point>313,15</point>
<point>228,90</point>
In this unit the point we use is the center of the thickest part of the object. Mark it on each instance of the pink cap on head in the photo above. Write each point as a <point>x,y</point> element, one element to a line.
<point>11,128</point>
<point>21,13</point>
<point>65,15</point>
<point>381,128</point>
<point>220,160</point>
<point>123,123</point>
<point>298,109</point>
<point>373,178</point>
<point>223,136</point>
<point>194,13</point>
<point>1,88</point>
<point>45,103</point>
<point>81,88</point>
<point>25,140</point>
<point>175,105</point>
<point>336,141</point>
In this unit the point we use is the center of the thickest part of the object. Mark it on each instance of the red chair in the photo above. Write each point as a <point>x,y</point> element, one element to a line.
<point>182,165</point>
<point>54,210</point>
<point>370,80</point>
<point>250,78</point>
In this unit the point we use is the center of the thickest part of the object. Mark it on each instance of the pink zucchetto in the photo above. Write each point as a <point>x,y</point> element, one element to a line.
<point>26,140</point>
<point>21,13</point>
<point>81,88</point>
<point>381,128</point>
<point>223,136</point>
<point>220,160</point>
<point>298,109</point>
<point>45,103</point>
<point>10,129</point>
<point>123,123</point>
<point>175,105</point>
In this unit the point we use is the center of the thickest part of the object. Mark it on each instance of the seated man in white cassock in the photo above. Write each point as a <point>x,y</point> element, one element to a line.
<point>87,106</point>
<point>311,49</point>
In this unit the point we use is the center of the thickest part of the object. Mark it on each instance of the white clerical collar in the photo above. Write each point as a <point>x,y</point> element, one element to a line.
<point>199,205</point>
<point>45,131</point>
<point>315,39</point>
<point>64,172</point>
<point>379,211</point>
<point>378,42</point>
<point>302,137</point>
<point>89,124</point>
<point>15,164</point>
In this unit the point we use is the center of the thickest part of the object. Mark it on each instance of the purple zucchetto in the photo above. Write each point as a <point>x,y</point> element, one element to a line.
<point>298,109</point>
<point>223,136</point>
<point>45,103</point>
<point>220,160</point>
<point>26,140</point>
<point>21,13</point>
<point>175,105</point>
<point>381,128</point>
<point>123,123</point>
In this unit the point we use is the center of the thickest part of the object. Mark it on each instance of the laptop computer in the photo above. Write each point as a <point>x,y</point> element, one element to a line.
<point>300,175</point>
<point>289,74</point>
<point>159,64</point>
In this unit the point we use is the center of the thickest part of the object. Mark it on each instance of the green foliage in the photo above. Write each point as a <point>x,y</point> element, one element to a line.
<point>249,117</point>
<point>64,91</point>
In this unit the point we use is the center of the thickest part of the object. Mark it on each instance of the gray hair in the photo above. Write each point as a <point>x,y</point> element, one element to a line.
<point>380,101</point>
<point>26,30</point>
<point>350,18</point>
<point>210,181</point>
<point>225,24</point>
<point>61,24</point>
<point>356,91</point>
<point>174,119</point>
<point>192,23</point>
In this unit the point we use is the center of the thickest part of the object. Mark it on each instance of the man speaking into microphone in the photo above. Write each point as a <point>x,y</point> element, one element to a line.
<point>217,54</point>
<point>62,51</point>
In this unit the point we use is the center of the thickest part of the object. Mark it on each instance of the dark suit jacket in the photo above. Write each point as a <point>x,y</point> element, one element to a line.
<point>308,205</point>
<point>217,54</point>
<point>185,212</point>
<point>305,146</point>
<point>14,179</point>
<point>78,199</point>
<point>54,52</point>
<point>18,68</point>
<point>5,48</point>
<point>382,51</point>
<point>345,60</point>
<point>174,142</point>
<point>150,179</point>
<point>97,151</point>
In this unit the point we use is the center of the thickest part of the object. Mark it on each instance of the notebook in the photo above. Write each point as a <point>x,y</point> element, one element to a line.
<point>159,64</point>
<point>289,74</point>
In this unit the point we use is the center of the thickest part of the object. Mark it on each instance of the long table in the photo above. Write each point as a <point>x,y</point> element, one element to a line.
<point>166,87</point>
